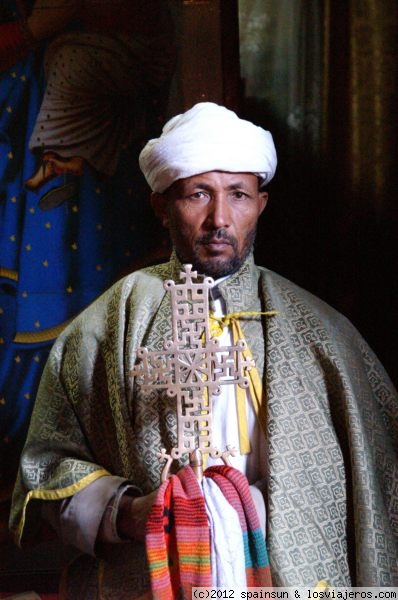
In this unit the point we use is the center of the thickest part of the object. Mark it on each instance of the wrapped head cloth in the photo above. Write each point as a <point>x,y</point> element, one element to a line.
<point>208,137</point>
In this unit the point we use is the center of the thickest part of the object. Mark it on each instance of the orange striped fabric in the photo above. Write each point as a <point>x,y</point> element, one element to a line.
<point>178,538</point>
<point>178,535</point>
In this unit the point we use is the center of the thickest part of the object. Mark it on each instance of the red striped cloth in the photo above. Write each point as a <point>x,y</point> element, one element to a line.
<point>178,536</point>
<point>235,488</point>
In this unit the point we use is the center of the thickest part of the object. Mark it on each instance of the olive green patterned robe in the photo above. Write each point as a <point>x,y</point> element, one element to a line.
<point>331,422</point>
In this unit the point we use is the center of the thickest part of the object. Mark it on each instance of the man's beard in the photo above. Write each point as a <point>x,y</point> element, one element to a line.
<point>220,267</point>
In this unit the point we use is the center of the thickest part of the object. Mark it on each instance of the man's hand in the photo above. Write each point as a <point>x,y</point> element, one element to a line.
<point>133,514</point>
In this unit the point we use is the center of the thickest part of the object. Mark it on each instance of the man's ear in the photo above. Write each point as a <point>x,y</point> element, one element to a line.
<point>159,205</point>
<point>263,197</point>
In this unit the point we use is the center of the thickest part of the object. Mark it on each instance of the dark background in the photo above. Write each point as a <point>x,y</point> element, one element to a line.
<point>331,224</point>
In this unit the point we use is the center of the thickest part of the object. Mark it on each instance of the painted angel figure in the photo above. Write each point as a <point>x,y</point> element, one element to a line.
<point>105,63</point>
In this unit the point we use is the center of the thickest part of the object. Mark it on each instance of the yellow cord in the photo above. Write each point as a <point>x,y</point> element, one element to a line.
<point>217,325</point>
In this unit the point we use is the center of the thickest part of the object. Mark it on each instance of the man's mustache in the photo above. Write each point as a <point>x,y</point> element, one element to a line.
<point>220,235</point>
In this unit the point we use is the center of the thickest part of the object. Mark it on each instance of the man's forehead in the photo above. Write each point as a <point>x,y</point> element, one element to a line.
<point>223,179</point>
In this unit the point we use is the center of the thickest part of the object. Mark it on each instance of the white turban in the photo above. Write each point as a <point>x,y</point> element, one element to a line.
<point>208,137</point>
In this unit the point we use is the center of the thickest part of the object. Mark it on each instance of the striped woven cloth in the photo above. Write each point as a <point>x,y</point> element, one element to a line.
<point>235,488</point>
<point>178,535</point>
<point>178,539</point>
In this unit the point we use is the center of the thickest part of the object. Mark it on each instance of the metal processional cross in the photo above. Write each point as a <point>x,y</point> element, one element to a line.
<point>192,368</point>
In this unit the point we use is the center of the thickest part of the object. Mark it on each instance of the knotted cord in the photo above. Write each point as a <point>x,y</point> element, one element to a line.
<point>217,325</point>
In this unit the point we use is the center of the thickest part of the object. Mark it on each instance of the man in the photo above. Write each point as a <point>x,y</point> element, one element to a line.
<point>322,442</point>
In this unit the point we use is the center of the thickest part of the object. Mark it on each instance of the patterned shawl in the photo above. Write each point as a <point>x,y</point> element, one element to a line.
<point>330,413</point>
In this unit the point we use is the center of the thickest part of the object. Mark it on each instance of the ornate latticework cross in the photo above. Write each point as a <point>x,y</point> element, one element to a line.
<point>192,367</point>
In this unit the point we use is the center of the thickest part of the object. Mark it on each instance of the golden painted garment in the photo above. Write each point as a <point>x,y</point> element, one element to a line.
<point>331,422</point>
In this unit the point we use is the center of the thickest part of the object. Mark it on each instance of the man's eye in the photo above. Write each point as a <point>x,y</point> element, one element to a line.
<point>199,196</point>
<point>239,195</point>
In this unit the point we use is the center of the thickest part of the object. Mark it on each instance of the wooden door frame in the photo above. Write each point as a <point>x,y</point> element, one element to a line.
<point>209,68</point>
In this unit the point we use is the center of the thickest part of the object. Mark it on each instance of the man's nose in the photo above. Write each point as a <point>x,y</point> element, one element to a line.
<point>218,212</point>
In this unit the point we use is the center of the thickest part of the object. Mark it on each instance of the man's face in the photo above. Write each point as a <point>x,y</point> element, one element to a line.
<point>212,218</point>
